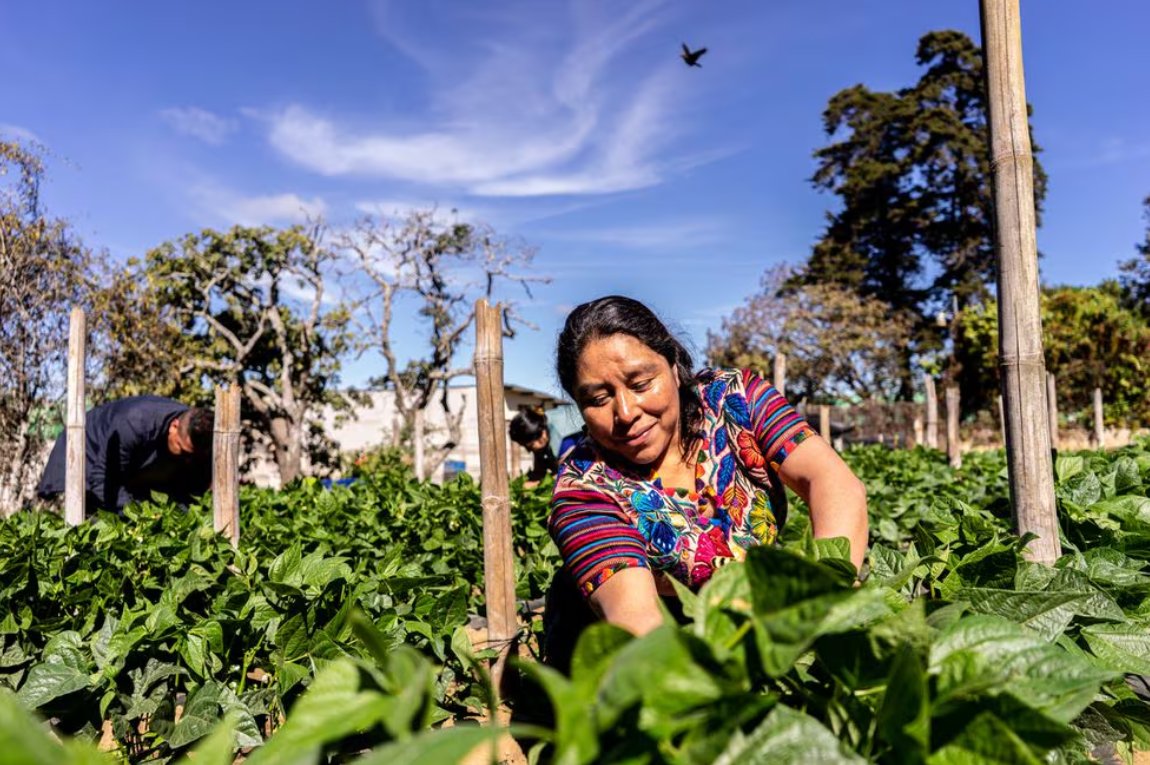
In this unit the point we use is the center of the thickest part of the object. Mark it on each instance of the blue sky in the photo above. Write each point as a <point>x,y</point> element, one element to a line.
<point>573,125</point>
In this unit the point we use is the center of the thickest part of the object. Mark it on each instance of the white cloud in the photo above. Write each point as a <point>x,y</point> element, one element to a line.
<point>521,108</point>
<point>199,123</point>
<point>18,133</point>
<point>660,235</point>
<point>227,205</point>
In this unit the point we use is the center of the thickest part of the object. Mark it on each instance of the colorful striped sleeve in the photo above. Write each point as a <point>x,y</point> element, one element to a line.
<point>777,426</point>
<point>595,537</point>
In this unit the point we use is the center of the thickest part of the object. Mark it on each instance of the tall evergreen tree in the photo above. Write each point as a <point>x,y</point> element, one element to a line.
<point>913,173</point>
<point>1136,271</point>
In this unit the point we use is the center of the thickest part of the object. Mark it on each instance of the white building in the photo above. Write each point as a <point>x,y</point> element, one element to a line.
<point>375,423</point>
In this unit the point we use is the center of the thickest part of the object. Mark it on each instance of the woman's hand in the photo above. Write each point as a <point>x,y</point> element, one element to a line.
<point>836,497</point>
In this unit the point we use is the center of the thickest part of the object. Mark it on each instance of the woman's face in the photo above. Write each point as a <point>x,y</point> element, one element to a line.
<point>629,398</point>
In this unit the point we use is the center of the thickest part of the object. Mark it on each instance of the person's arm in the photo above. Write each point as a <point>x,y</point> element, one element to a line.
<point>809,467</point>
<point>605,555</point>
<point>629,600</point>
<point>835,496</point>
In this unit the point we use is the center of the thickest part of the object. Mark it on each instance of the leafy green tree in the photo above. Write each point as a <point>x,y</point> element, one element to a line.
<point>1090,339</point>
<point>1136,271</point>
<point>44,273</point>
<point>252,305</point>
<point>912,171</point>
<point>838,344</point>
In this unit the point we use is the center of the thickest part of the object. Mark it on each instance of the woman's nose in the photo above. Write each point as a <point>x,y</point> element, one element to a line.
<point>626,410</point>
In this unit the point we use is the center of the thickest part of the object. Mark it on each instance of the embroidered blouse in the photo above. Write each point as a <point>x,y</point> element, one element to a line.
<point>607,515</point>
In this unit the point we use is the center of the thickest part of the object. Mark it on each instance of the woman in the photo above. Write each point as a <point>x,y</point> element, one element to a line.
<point>678,473</point>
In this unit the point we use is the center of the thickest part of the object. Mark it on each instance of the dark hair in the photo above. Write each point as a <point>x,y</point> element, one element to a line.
<point>527,426</point>
<point>615,315</point>
<point>199,424</point>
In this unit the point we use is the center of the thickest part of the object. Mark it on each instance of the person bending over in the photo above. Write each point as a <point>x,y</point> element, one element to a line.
<point>135,446</point>
<point>677,474</point>
<point>530,430</point>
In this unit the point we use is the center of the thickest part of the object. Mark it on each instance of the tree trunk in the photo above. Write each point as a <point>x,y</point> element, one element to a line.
<point>288,447</point>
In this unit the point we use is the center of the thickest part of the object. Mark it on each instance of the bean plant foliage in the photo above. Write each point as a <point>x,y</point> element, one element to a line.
<point>334,632</point>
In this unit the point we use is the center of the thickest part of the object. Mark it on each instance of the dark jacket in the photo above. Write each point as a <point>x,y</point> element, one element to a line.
<point>127,456</point>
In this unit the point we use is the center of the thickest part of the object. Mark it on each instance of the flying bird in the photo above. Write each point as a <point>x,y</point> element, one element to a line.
<point>691,57</point>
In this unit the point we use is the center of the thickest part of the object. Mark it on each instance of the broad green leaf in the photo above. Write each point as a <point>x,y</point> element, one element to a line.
<point>1047,613</point>
<point>201,714</point>
<point>1067,466</point>
<point>1121,647</point>
<point>991,655</point>
<point>724,605</point>
<point>1132,511</point>
<point>903,720</point>
<point>786,736</point>
<point>576,737</point>
<point>291,637</point>
<point>597,646</point>
<point>671,671</point>
<point>439,747</point>
<point>332,707</point>
<point>218,748</point>
<point>285,569</point>
<point>1080,490</point>
<point>26,742</point>
<point>986,741</point>
<point>51,680</point>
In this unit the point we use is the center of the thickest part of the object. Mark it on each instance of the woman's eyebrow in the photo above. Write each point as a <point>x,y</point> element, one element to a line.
<point>646,368</point>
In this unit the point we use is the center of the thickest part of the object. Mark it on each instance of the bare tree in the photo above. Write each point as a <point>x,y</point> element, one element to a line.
<point>438,267</point>
<point>837,343</point>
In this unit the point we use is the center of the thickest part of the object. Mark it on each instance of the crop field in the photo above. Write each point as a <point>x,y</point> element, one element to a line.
<point>337,632</point>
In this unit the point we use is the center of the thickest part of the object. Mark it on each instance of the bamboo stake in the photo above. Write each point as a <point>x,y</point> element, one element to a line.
<point>1099,429</point>
<point>825,422</point>
<point>226,463</point>
<point>1001,420</point>
<point>498,566</point>
<point>931,413</point>
<point>417,445</point>
<point>1019,323</point>
<point>1052,408</point>
<point>75,465</point>
<point>780,373</point>
<point>953,445</point>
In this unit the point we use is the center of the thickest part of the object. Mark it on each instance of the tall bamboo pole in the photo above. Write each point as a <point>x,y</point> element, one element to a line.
<point>931,412</point>
<point>417,445</point>
<point>1099,426</point>
<point>226,463</point>
<point>1052,408</point>
<point>780,373</point>
<point>498,566</point>
<point>75,483</point>
<point>1019,323</point>
<point>953,442</point>
<point>1001,419</point>
<point>825,422</point>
